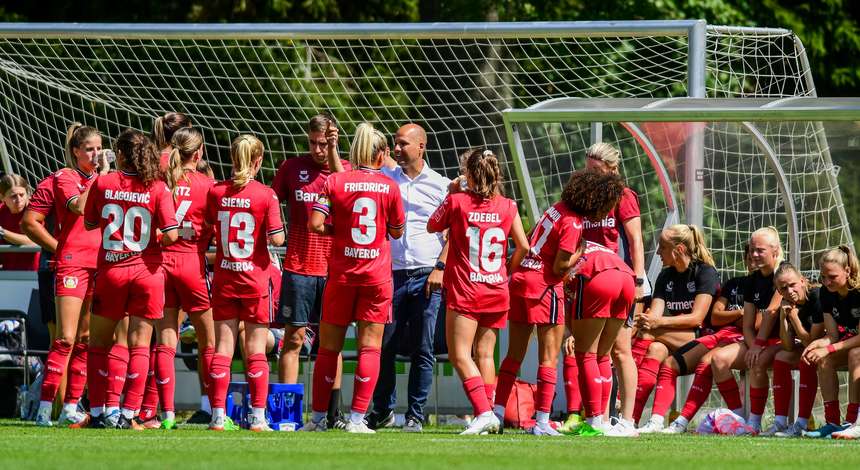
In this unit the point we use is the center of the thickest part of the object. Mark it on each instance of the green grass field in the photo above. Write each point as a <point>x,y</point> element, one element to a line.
<point>26,446</point>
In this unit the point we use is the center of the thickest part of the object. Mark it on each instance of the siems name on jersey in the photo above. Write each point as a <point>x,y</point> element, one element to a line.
<point>383,188</point>
<point>235,202</point>
<point>142,198</point>
<point>302,196</point>
<point>491,217</point>
<point>361,253</point>
<point>493,278</point>
<point>237,266</point>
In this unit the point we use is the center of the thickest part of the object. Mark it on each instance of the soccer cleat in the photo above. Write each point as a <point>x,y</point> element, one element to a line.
<point>256,424</point>
<point>311,426</point>
<point>187,333</point>
<point>485,423</point>
<point>222,423</point>
<point>795,430</point>
<point>413,425</point>
<point>674,428</point>
<point>773,429</point>
<point>83,421</point>
<point>168,424</point>
<point>377,421</point>
<point>824,432</point>
<point>571,423</point>
<point>622,428</point>
<point>111,420</point>
<point>655,424</point>
<point>43,417</point>
<point>587,430</point>
<point>850,433</point>
<point>360,428</point>
<point>151,423</point>
<point>199,417</point>
<point>125,423</point>
<point>543,430</point>
<point>97,422</point>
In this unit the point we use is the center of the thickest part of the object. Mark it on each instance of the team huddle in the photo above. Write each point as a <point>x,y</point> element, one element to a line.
<point>130,260</point>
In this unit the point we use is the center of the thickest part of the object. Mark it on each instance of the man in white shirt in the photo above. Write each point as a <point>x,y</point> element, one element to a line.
<point>418,260</point>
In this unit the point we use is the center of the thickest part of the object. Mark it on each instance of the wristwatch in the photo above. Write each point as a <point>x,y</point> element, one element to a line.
<point>639,281</point>
<point>440,265</point>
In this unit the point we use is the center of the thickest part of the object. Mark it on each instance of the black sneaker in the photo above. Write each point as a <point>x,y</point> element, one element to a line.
<point>375,421</point>
<point>125,423</point>
<point>337,421</point>
<point>199,417</point>
<point>97,422</point>
<point>413,425</point>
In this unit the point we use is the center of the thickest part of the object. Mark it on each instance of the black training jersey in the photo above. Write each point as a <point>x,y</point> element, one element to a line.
<point>733,292</point>
<point>810,312</point>
<point>759,290</point>
<point>679,289</point>
<point>845,311</point>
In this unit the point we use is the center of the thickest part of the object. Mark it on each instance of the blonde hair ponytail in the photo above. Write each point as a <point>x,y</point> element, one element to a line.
<point>693,240</point>
<point>245,149</point>
<point>185,142</point>
<point>844,256</point>
<point>76,135</point>
<point>366,144</point>
<point>605,153</point>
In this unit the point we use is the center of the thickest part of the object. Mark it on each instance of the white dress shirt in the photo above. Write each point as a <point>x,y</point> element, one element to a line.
<point>421,196</point>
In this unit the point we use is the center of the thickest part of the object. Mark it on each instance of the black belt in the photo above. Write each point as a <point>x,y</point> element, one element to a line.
<point>415,272</point>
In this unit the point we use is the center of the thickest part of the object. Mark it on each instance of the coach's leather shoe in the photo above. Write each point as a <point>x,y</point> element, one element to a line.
<point>311,426</point>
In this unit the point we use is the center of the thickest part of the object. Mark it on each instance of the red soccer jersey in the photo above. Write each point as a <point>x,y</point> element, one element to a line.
<point>190,200</point>
<point>298,183</point>
<point>164,160</point>
<point>596,259</point>
<point>76,246</point>
<point>606,231</point>
<point>42,200</point>
<point>363,205</point>
<point>244,218</point>
<point>476,278</point>
<point>127,213</point>
<point>558,229</point>
<point>15,261</point>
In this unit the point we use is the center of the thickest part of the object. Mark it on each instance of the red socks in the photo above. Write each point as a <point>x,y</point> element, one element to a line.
<point>475,391</point>
<point>758,398</point>
<point>644,385</point>
<point>77,374</point>
<point>257,370</point>
<point>781,387</point>
<point>55,367</point>
<point>97,374</point>
<point>571,385</point>
<point>219,380</point>
<point>605,366</point>
<point>731,395</point>
<point>117,366</point>
<point>505,381</point>
<point>699,392</point>
<point>138,370</point>
<point>150,395</point>
<point>665,390</point>
<point>366,375</point>
<point>831,412</point>
<point>325,370</point>
<point>639,349</point>
<point>851,412</point>
<point>165,376</point>
<point>808,389</point>
<point>204,363</point>
<point>546,378</point>
<point>590,383</point>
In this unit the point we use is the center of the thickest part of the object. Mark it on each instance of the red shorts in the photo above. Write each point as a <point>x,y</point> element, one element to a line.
<point>249,309</point>
<point>343,304</point>
<point>728,335</point>
<point>186,281</point>
<point>547,310</point>
<point>74,281</point>
<point>609,294</point>
<point>493,320</point>
<point>136,290</point>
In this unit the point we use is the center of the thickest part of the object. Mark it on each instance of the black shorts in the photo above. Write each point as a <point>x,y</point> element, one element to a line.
<point>301,299</point>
